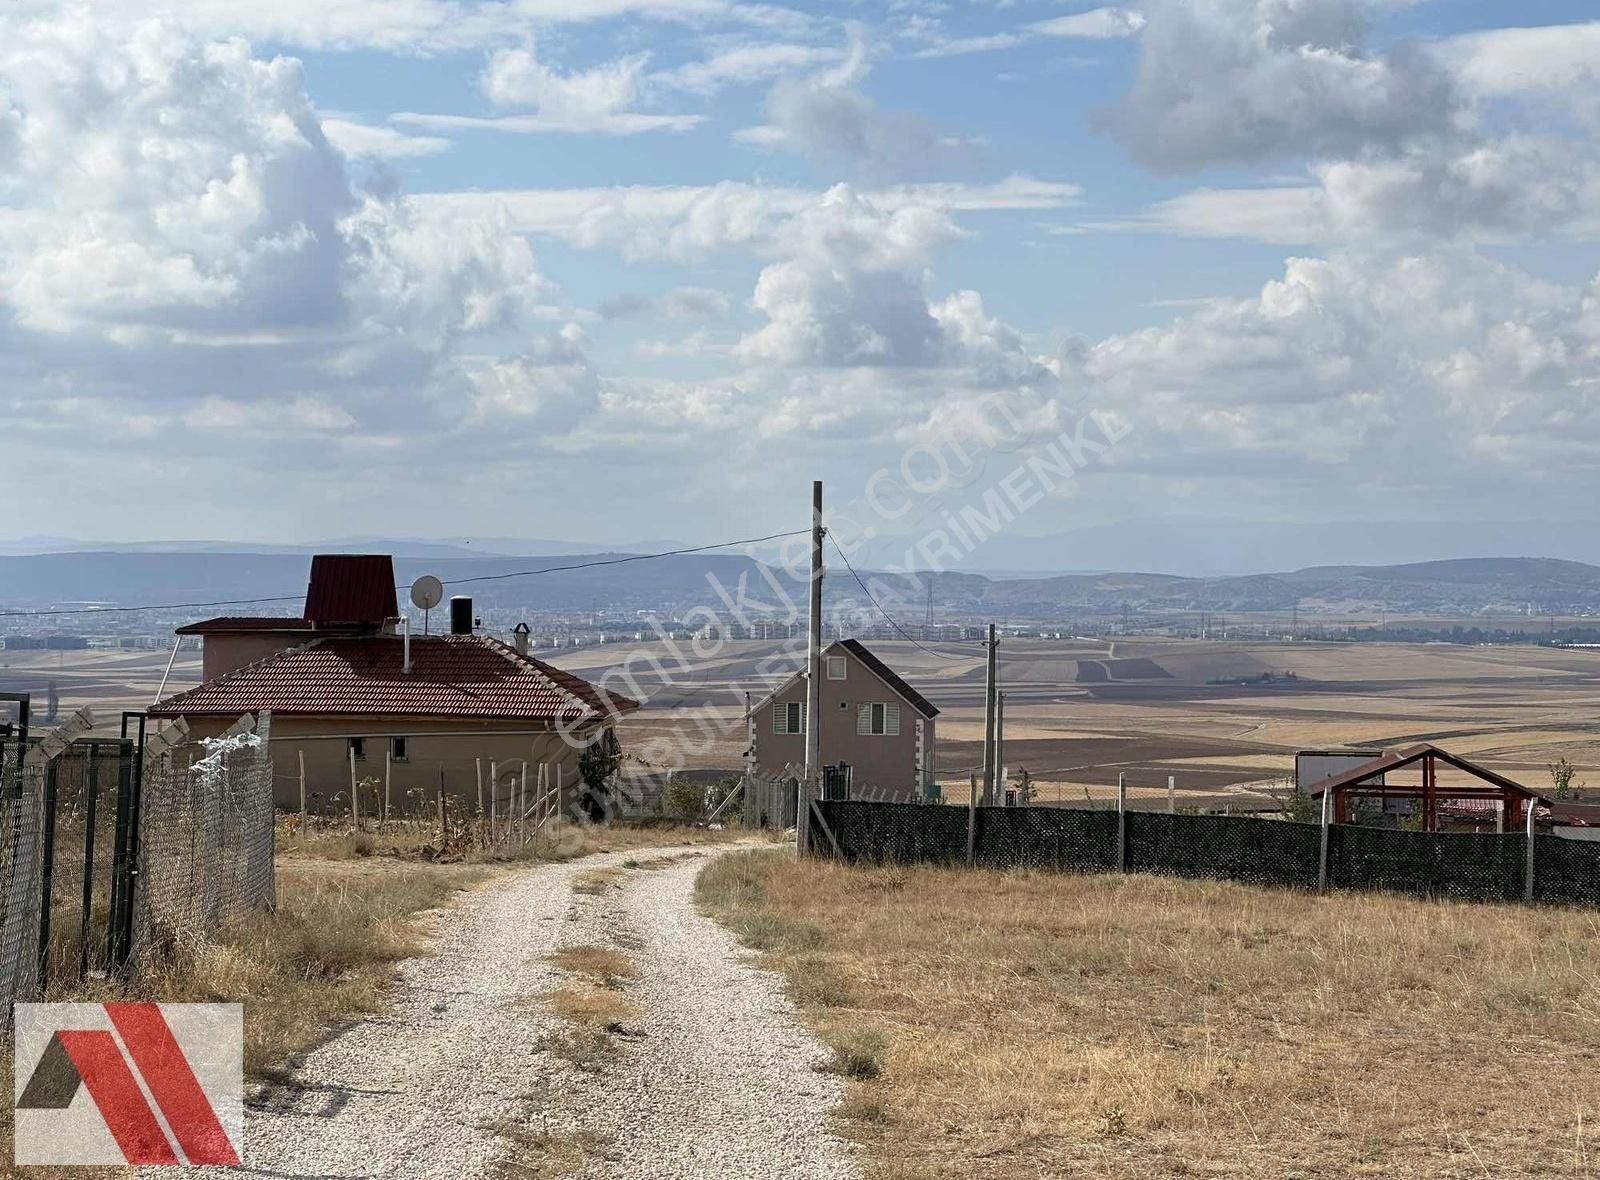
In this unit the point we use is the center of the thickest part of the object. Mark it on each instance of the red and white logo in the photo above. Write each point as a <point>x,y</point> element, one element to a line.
<point>129,1084</point>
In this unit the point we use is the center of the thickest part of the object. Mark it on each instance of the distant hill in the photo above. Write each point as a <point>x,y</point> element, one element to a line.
<point>1535,586</point>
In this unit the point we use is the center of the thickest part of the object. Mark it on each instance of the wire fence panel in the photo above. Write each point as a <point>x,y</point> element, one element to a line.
<point>1259,851</point>
<point>1566,871</point>
<point>21,855</point>
<point>1466,865</point>
<point>205,837</point>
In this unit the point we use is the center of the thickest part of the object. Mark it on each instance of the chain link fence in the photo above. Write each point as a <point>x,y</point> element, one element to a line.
<point>21,868</point>
<point>1462,865</point>
<point>205,836</point>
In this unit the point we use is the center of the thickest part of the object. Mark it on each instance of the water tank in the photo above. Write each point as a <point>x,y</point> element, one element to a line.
<point>461,615</point>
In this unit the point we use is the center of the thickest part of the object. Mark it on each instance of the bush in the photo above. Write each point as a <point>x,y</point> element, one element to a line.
<point>683,800</point>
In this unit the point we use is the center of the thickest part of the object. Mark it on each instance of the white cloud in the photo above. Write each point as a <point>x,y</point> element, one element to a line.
<point>1097,24</point>
<point>358,139</point>
<point>1230,80</point>
<point>827,118</point>
<point>1497,63</point>
<point>680,303</point>
<point>745,63</point>
<point>598,100</point>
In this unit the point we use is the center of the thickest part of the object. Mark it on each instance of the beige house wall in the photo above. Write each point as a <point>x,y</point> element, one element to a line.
<point>451,751</point>
<point>882,767</point>
<point>222,653</point>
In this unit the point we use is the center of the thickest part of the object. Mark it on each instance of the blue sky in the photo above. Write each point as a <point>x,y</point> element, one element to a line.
<point>607,269</point>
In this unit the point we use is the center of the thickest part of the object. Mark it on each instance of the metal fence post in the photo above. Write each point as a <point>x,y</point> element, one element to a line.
<point>1122,822</point>
<point>47,877</point>
<point>972,823</point>
<point>1172,794</point>
<point>1527,876</point>
<point>1322,851</point>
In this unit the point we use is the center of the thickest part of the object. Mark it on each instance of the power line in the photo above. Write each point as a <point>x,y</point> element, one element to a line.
<point>555,569</point>
<point>887,617</point>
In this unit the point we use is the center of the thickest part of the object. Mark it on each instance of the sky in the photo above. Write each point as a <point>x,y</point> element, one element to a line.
<point>612,269</point>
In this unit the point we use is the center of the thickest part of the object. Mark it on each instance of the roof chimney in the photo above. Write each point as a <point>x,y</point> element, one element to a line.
<point>519,634</point>
<point>461,615</point>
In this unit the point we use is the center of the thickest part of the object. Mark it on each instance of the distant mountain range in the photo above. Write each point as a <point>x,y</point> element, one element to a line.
<point>1497,585</point>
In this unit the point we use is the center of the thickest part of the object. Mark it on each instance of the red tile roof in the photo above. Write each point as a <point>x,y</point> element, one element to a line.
<point>452,676</point>
<point>235,623</point>
<point>351,588</point>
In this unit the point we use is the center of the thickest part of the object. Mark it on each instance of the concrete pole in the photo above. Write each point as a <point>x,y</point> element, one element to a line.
<point>494,785</point>
<point>1172,794</point>
<point>990,705</point>
<point>1322,847</point>
<point>477,765</point>
<point>972,821</point>
<point>355,795</point>
<point>999,746</point>
<point>388,774</point>
<point>813,722</point>
<point>301,752</point>
<point>1527,875</point>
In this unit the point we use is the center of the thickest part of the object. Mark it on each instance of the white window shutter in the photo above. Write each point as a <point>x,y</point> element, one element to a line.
<point>802,728</point>
<point>863,720</point>
<point>780,718</point>
<point>891,719</point>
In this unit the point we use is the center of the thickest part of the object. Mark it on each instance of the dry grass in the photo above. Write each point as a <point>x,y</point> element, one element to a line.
<point>323,956</point>
<point>602,964</point>
<point>595,1006</point>
<point>596,881</point>
<point>1147,1027</point>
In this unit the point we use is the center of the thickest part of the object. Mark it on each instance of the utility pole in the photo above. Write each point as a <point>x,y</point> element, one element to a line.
<point>990,705</point>
<point>999,747</point>
<point>813,724</point>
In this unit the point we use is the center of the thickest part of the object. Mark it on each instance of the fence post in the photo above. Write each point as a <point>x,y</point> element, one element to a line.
<point>302,754</point>
<point>1172,794</point>
<point>972,823</point>
<point>444,832</point>
<point>1527,876</point>
<point>477,765</point>
<point>1122,822</point>
<point>494,785</point>
<point>1322,850</point>
<point>388,772</point>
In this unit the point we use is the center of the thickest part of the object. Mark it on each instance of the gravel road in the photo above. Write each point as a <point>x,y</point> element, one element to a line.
<point>718,1080</point>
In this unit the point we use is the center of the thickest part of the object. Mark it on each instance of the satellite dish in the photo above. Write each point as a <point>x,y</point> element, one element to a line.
<point>427,592</point>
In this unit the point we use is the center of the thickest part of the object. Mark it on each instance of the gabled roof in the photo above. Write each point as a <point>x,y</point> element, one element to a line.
<point>351,588</point>
<point>874,665</point>
<point>231,624</point>
<point>453,676</point>
<point>1396,759</point>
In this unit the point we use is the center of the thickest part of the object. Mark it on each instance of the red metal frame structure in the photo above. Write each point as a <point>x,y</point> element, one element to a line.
<point>1352,784</point>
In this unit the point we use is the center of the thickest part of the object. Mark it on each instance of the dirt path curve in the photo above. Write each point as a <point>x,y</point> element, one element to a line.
<point>720,1084</point>
<point>718,1080</point>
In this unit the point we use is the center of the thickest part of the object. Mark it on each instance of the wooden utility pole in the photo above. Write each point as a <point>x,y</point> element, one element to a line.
<point>990,704</point>
<point>813,719</point>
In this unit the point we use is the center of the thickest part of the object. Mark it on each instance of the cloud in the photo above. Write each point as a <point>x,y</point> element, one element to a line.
<point>680,303</point>
<point>1497,63</point>
<point>1222,81</point>
<point>1433,373</point>
<point>359,139</point>
<point>594,101</point>
<point>1100,24</point>
<point>826,118</point>
<point>745,63</point>
<point>177,231</point>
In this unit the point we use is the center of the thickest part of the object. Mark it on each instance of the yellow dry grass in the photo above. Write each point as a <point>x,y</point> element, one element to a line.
<point>603,964</point>
<point>1149,1027</point>
<point>595,881</point>
<point>592,1005</point>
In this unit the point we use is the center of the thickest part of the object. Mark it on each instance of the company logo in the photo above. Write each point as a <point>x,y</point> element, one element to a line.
<point>129,1083</point>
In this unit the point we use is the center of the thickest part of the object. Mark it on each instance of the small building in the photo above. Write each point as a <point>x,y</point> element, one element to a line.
<point>1473,796</point>
<point>426,714</point>
<point>871,719</point>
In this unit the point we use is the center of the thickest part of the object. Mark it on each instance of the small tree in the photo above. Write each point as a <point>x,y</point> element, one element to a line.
<point>1562,774</point>
<point>1296,803</point>
<point>683,800</point>
<point>597,765</point>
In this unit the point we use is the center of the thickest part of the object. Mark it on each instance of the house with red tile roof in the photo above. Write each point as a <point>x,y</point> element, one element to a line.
<point>462,714</point>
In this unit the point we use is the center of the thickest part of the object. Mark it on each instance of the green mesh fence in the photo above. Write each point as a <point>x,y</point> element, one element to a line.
<point>1566,871</point>
<point>1045,838</point>
<point>1260,851</point>
<point>1474,867</point>
<point>1466,866</point>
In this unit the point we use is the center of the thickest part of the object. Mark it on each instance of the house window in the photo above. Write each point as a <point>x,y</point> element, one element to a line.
<point>358,749</point>
<point>878,719</point>
<point>397,748</point>
<point>789,717</point>
<point>836,667</point>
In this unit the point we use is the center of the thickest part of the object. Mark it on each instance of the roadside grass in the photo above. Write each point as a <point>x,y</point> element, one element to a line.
<point>1005,1024</point>
<point>596,881</point>
<point>605,965</point>
<point>338,838</point>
